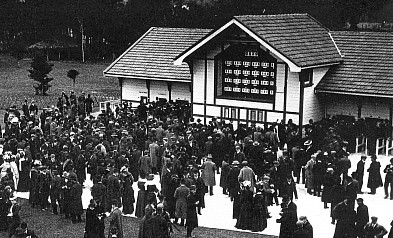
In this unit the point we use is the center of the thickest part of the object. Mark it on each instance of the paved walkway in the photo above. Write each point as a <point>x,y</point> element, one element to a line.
<point>218,211</point>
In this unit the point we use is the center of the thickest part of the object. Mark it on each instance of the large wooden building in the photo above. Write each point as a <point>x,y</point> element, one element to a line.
<point>262,68</point>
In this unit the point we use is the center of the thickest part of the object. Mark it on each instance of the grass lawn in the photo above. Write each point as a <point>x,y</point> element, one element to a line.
<point>16,86</point>
<point>47,225</point>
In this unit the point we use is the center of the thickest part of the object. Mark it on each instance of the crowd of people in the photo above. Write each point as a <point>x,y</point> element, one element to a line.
<point>48,153</point>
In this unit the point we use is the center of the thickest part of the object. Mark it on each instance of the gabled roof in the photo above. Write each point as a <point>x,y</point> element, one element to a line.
<point>367,68</point>
<point>151,56</point>
<point>297,39</point>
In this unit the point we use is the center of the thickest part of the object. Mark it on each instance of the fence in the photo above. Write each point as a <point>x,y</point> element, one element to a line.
<point>112,104</point>
<point>361,144</point>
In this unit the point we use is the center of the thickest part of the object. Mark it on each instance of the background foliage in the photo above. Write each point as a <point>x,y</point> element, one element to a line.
<point>110,26</point>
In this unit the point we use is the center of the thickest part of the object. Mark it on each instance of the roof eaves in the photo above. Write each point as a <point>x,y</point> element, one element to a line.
<point>125,52</point>
<point>180,58</point>
<point>352,93</point>
<point>147,77</point>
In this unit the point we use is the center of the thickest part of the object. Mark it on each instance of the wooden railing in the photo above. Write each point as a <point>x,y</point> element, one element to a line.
<point>361,144</point>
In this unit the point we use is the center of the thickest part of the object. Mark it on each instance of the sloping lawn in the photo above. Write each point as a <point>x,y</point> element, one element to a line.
<point>16,84</point>
<point>47,225</point>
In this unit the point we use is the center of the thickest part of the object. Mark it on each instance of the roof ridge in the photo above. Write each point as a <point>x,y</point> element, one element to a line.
<point>180,28</point>
<point>270,15</point>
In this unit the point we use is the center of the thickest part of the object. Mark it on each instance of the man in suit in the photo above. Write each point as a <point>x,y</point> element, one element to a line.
<point>239,155</point>
<point>360,171</point>
<point>345,216</point>
<point>389,179</point>
<point>373,229</point>
<point>288,218</point>
<point>233,184</point>
<point>181,194</point>
<point>362,217</point>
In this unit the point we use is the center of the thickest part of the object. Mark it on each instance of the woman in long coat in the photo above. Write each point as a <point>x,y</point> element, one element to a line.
<point>128,194</point>
<point>192,217</point>
<point>76,205</point>
<point>245,219</point>
<point>329,180</point>
<point>115,221</point>
<point>260,213</point>
<point>374,177</point>
<point>208,175</point>
<point>224,175</point>
<point>141,200</point>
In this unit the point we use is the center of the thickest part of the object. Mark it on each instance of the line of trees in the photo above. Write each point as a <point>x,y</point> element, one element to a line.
<point>107,27</point>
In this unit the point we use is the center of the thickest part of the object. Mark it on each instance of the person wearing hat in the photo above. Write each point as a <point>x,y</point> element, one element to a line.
<point>346,217</point>
<point>307,226</point>
<point>145,164</point>
<point>329,180</point>
<point>373,229</point>
<point>233,184</point>
<point>362,217</point>
<point>76,207</point>
<point>374,176</point>
<point>360,171</point>
<point>288,217</point>
<point>192,217</point>
<point>300,231</point>
<point>309,173</point>
<point>238,155</point>
<point>115,219</point>
<point>181,194</point>
<point>208,173</point>
<point>94,220</point>
<point>14,219</point>
<point>162,218</point>
<point>388,180</point>
<point>247,174</point>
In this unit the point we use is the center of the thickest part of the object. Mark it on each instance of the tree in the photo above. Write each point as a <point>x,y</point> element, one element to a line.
<point>39,72</point>
<point>72,75</point>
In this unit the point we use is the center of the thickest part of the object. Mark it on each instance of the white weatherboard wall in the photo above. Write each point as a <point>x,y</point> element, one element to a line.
<point>158,89</point>
<point>375,109</point>
<point>181,91</point>
<point>293,92</point>
<point>313,108</point>
<point>341,106</point>
<point>133,89</point>
<point>280,83</point>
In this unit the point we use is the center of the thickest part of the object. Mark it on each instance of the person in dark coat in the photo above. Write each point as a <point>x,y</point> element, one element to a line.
<point>374,230</point>
<point>245,219</point>
<point>329,180</point>
<point>288,218</point>
<point>141,201</point>
<point>181,194</point>
<point>192,217</point>
<point>288,188</point>
<point>115,220</point>
<point>233,184</point>
<point>76,201</point>
<point>374,177</point>
<point>113,188</point>
<point>224,175</point>
<point>98,191</point>
<point>351,190</point>
<point>338,193</point>
<point>260,212</point>
<point>128,194</point>
<point>391,230</point>
<point>360,171</point>
<point>362,217</point>
<point>307,226</point>
<point>346,217</point>
<point>389,180</point>
<point>200,190</point>
<point>300,231</point>
<point>146,226</point>
<point>93,221</point>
